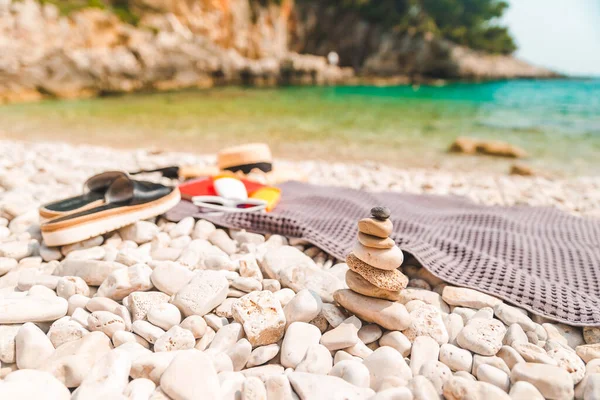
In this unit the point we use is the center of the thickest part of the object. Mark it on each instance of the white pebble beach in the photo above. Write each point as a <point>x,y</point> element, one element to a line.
<point>188,311</point>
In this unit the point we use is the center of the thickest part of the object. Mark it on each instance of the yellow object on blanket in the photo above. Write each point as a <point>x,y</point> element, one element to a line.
<point>269,194</point>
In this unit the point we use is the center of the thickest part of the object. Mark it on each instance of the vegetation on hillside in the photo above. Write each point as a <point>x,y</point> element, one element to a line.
<point>119,7</point>
<point>472,23</point>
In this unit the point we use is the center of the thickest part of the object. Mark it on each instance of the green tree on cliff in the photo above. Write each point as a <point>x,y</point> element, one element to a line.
<point>472,23</point>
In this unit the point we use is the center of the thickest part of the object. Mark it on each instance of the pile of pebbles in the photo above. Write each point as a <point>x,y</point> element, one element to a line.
<point>162,310</point>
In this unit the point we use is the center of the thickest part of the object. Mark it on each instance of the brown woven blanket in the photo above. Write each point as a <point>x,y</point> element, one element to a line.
<point>541,259</point>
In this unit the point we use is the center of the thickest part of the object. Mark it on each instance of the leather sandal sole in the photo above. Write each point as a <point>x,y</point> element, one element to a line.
<point>48,214</point>
<point>91,225</point>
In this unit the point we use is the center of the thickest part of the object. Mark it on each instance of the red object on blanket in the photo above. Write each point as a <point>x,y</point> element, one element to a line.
<point>206,187</point>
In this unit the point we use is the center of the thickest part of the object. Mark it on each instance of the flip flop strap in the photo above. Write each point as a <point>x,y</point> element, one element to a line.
<point>101,182</point>
<point>121,190</point>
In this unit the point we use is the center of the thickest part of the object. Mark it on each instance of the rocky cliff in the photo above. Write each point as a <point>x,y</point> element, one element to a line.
<point>177,44</point>
<point>199,43</point>
<point>371,50</point>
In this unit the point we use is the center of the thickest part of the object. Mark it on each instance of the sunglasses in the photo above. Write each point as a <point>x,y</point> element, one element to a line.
<point>218,203</point>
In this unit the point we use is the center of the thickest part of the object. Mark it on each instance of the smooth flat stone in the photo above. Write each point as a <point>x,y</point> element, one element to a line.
<point>424,350</point>
<point>553,382</point>
<point>385,362</point>
<point>388,314</point>
<point>588,352</point>
<point>342,336</point>
<point>72,362</point>
<point>32,309</point>
<point>360,285</point>
<point>380,212</point>
<point>304,306</point>
<point>191,375</point>
<point>375,242</point>
<point>375,227</point>
<point>93,272</point>
<point>207,290</point>
<point>462,388</point>
<point>387,259</point>
<point>319,281</point>
<point>389,280</point>
<point>352,371</point>
<point>32,384</point>
<point>465,297</point>
<point>283,258</point>
<point>299,336</point>
<point>317,387</point>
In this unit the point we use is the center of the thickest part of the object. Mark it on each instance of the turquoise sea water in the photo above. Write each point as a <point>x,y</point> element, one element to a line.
<point>556,122</point>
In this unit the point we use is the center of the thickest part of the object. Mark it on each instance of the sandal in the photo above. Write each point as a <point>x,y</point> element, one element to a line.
<point>125,202</point>
<point>93,196</point>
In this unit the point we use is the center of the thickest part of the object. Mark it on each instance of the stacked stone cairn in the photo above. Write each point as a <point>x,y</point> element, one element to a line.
<point>375,259</point>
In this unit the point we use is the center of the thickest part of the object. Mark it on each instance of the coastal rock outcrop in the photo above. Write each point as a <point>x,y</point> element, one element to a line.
<point>185,44</point>
<point>92,52</point>
<point>467,145</point>
<point>373,50</point>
